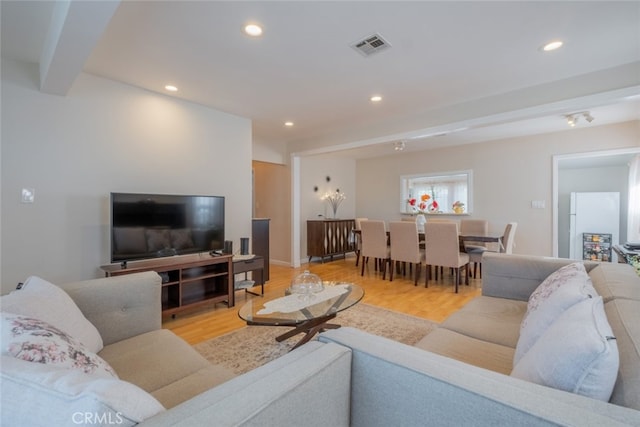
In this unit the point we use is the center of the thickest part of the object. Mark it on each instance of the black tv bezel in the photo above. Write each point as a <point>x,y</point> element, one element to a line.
<point>164,195</point>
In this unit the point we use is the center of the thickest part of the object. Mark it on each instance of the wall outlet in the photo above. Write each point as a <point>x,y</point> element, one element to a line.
<point>538,204</point>
<point>28,195</point>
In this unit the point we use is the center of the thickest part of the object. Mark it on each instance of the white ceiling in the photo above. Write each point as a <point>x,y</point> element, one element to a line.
<point>451,65</point>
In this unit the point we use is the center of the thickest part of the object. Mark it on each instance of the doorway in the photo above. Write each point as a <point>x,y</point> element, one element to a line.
<point>588,172</point>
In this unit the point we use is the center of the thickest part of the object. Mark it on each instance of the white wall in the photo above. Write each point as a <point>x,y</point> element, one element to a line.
<point>270,152</point>
<point>508,175</point>
<point>314,171</point>
<point>105,137</point>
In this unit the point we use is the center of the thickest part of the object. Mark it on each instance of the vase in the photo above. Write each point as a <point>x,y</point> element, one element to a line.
<point>458,210</point>
<point>421,220</point>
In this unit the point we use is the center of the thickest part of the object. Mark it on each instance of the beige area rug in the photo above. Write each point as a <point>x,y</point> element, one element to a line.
<point>252,346</point>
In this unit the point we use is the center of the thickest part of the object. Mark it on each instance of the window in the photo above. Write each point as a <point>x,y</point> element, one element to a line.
<point>445,189</point>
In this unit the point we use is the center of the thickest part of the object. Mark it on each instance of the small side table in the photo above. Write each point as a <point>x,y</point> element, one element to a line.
<point>624,254</point>
<point>254,265</point>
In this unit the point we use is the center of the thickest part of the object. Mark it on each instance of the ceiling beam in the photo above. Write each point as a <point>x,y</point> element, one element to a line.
<point>76,27</point>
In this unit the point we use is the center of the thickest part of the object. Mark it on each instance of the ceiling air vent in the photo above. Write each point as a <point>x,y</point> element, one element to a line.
<point>370,45</point>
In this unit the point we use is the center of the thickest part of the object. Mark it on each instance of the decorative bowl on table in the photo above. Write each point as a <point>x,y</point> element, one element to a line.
<point>306,285</point>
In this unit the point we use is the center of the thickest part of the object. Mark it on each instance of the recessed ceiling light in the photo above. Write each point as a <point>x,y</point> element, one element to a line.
<point>552,45</point>
<point>376,98</point>
<point>288,124</point>
<point>171,88</point>
<point>253,30</point>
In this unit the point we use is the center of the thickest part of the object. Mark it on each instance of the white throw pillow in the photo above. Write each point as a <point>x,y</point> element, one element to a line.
<point>34,340</point>
<point>561,290</point>
<point>44,395</point>
<point>577,353</point>
<point>45,301</point>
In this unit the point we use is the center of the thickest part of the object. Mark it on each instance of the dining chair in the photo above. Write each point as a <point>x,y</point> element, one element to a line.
<point>443,249</point>
<point>405,248</point>
<point>508,239</point>
<point>475,250</point>
<point>358,238</point>
<point>374,245</point>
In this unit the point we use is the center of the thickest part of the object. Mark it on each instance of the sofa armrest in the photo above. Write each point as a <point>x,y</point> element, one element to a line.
<point>396,384</point>
<point>120,307</point>
<point>306,387</point>
<point>517,276</point>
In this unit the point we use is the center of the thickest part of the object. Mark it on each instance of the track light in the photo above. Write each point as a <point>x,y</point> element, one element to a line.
<point>572,119</point>
<point>587,116</point>
<point>399,145</point>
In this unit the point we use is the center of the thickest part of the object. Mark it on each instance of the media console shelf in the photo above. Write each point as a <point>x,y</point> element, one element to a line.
<point>187,280</point>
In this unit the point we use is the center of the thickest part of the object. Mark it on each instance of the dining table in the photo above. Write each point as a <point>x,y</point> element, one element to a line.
<point>496,237</point>
<point>491,237</point>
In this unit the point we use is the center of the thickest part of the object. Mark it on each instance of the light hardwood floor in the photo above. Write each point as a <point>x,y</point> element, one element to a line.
<point>434,303</point>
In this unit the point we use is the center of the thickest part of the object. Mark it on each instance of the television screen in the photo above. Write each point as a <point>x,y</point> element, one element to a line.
<point>158,225</point>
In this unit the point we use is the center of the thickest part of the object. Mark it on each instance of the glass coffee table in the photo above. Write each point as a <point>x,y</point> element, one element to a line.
<point>307,314</point>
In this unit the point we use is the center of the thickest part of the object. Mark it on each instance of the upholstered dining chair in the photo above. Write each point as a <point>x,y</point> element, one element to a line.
<point>374,245</point>
<point>358,238</point>
<point>405,247</point>
<point>443,249</point>
<point>475,249</point>
<point>508,239</point>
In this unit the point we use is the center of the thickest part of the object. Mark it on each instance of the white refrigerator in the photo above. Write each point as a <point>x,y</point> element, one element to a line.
<point>592,215</point>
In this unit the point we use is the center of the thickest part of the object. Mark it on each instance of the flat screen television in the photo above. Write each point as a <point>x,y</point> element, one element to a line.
<point>147,226</point>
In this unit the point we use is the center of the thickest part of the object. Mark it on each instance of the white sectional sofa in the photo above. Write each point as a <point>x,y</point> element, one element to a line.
<point>346,378</point>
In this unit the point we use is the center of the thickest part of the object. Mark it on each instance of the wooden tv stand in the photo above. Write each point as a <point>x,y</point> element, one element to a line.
<point>188,281</point>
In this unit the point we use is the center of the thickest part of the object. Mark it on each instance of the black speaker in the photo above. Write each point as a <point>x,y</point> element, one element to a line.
<point>244,246</point>
<point>228,247</point>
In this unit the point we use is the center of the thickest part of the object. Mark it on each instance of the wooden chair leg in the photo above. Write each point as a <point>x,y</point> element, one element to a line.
<point>427,275</point>
<point>364,261</point>
<point>457,278</point>
<point>391,270</point>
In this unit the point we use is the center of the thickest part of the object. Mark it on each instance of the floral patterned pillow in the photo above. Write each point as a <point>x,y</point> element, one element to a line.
<point>562,289</point>
<point>37,341</point>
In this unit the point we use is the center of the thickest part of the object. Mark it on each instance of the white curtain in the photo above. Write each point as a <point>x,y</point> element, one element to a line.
<point>633,219</point>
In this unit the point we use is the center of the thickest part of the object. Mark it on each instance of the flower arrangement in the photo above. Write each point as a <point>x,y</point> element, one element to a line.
<point>422,206</point>
<point>334,199</point>
<point>458,207</point>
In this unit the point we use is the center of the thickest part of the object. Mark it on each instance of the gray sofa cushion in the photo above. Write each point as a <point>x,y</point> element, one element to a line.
<point>611,281</point>
<point>177,364</point>
<point>496,320</point>
<point>120,307</point>
<point>517,276</point>
<point>495,357</point>
<point>185,388</point>
<point>306,387</point>
<point>624,317</point>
